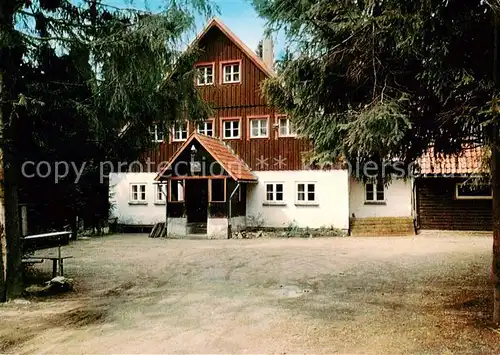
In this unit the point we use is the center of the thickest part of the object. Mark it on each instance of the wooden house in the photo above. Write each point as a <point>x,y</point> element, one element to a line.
<point>243,166</point>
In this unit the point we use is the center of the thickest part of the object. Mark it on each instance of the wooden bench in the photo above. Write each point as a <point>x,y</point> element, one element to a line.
<point>49,240</point>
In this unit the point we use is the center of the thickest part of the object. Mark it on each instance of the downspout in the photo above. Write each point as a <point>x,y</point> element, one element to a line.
<point>229,232</point>
<point>165,193</point>
<point>414,204</point>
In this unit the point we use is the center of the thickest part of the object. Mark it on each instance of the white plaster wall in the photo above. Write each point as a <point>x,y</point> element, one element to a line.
<point>397,195</point>
<point>217,228</point>
<point>332,195</point>
<point>238,223</point>
<point>149,213</point>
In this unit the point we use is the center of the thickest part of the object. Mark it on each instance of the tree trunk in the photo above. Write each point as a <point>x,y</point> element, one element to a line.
<point>495,268</point>
<point>495,181</point>
<point>14,277</point>
<point>3,242</point>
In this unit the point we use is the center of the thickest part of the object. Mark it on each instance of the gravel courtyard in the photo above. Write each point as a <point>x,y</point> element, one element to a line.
<point>411,295</point>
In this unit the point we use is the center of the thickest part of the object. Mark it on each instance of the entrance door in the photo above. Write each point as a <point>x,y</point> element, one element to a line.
<point>196,197</point>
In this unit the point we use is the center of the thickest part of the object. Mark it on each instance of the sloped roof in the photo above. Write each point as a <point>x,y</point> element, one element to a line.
<point>224,155</point>
<point>466,162</point>
<point>215,22</point>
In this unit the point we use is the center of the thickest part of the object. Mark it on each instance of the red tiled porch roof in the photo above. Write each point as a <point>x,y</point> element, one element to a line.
<point>467,161</point>
<point>224,155</point>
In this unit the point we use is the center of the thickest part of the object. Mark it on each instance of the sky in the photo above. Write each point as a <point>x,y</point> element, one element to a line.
<point>238,15</point>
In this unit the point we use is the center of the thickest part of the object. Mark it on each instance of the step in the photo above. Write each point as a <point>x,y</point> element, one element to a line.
<point>382,226</point>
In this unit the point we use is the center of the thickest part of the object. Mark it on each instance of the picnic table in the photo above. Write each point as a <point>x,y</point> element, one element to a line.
<point>44,241</point>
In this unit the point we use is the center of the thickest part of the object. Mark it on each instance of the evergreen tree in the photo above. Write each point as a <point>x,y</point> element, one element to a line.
<point>73,75</point>
<point>374,80</point>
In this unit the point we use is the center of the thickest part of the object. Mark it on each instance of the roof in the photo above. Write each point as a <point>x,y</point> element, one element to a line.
<point>215,22</point>
<point>468,161</point>
<point>224,155</point>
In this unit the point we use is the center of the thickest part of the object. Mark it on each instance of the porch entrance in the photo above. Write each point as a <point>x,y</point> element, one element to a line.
<point>196,198</point>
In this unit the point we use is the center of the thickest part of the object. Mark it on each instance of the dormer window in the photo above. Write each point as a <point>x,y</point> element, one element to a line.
<point>231,72</point>
<point>205,74</point>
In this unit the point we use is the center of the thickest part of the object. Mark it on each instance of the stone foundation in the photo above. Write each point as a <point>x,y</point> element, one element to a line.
<point>176,227</point>
<point>217,228</point>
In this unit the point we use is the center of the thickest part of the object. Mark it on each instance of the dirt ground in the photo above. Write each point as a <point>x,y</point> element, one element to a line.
<point>410,295</point>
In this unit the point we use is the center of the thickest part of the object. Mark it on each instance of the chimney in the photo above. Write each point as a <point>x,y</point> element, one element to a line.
<point>268,52</point>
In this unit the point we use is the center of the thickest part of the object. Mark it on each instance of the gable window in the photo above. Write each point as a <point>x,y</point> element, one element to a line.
<point>179,132</point>
<point>374,193</point>
<point>156,133</point>
<point>468,191</point>
<point>217,190</point>
<point>258,128</point>
<point>160,193</point>
<point>231,73</point>
<point>274,192</point>
<point>176,191</point>
<point>138,193</point>
<point>206,128</point>
<point>231,129</point>
<point>285,127</point>
<point>306,193</point>
<point>205,75</point>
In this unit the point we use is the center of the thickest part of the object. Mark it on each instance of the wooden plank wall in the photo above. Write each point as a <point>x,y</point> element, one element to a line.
<point>437,207</point>
<point>241,100</point>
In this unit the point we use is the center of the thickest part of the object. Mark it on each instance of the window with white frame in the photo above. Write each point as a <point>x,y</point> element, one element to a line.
<point>374,192</point>
<point>471,191</point>
<point>231,73</point>
<point>206,128</point>
<point>138,193</point>
<point>306,193</point>
<point>258,128</point>
<point>176,191</point>
<point>274,192</point>
<point>179,132</point>
<point>205,75</point>
<point>156,133</point>
<point>160,193</point>
<point>285,127</point>
<point>231,129</point>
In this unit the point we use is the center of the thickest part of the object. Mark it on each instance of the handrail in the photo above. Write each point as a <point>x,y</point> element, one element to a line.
<point>54,234</point>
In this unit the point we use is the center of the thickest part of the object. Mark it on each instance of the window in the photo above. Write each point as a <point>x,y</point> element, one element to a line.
<point>205,75</point>
<point>258,128</point>
<point>306,193</point>
<point>231,73</point>
<point>231,129</point>
<point>274,192</point>
<point>160,193</point>
<point>218,190</point>
<point>176,191</point>
<point>138,193</point>
<point>156,133</point>
<point>285,128</point>
<point>206,128</point>
<point>374,193</point>
<point>179,132</point>
<point>470,191</point>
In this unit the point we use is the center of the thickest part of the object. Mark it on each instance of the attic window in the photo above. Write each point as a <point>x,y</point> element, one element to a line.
<point>231,73</point>
<point>205,75</point>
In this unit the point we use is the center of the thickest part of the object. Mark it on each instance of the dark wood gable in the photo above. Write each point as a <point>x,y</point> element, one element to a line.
<point>240,101</point>
<point>217,48</point>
